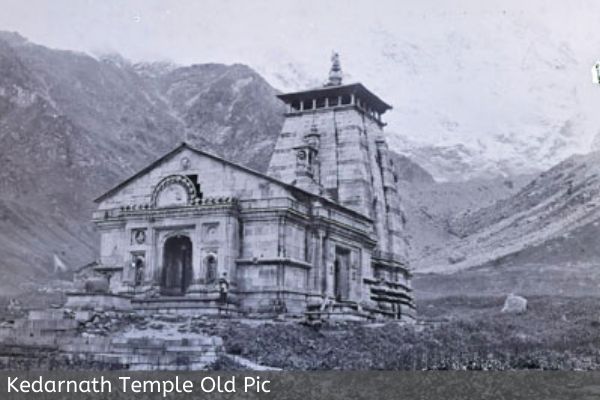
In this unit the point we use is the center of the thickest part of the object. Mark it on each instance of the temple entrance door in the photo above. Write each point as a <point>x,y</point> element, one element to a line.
<point>340,276</point>
<point>177,266</point>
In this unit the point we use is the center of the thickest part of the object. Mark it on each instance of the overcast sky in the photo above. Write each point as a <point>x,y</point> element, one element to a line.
<point>192,31</point>
<point>463,71</point>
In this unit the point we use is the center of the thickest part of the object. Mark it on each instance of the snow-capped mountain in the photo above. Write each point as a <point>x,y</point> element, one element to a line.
<point>474,93</point>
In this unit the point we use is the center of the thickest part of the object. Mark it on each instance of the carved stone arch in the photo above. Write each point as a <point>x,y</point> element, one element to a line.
<point>173,233</point>
<point>174,191</point>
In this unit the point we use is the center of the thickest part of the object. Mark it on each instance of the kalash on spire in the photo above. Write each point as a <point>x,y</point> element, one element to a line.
<point>335,73</point>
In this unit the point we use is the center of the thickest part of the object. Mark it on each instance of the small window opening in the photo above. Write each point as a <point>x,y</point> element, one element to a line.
<point>194,179</point>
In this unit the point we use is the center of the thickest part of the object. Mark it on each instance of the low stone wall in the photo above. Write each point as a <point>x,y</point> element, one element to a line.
<point>91,301</point>
<point>273,303</point>
<point>50,339</point>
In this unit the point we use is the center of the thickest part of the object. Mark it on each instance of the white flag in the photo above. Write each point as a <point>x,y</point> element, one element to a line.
<point>59,265</point>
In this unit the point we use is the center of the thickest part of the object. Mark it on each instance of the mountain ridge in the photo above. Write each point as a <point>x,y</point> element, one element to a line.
<point>73,126</point>
<point>552,219</point>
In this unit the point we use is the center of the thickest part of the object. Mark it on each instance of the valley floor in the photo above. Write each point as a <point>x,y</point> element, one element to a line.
<point>454,333</point>
<point>457,333</point>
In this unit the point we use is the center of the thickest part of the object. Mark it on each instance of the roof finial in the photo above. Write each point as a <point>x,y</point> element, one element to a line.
<point>335,73</point>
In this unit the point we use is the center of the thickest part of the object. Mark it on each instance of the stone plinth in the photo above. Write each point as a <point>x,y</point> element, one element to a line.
<point>91,301</point>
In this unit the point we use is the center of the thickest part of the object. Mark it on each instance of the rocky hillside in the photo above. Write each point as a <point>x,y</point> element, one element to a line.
<point>552,220</point>
<point>409,171</point>
<point>72,126</point>
<point>432,207</point>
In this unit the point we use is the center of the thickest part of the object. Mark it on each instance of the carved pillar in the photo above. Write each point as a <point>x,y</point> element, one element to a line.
<point>196,255</point>
<point>325,267</point>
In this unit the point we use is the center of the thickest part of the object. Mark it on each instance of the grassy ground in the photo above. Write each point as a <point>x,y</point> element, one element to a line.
<point>555,333</point>
<point>458,332</point>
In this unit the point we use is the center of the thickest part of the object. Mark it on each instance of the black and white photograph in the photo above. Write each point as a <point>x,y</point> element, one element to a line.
<point>299,185</point>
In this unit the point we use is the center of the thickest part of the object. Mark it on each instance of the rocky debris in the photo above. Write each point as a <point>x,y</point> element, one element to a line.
<point>104,323</point>
<point>14,306</point>
<point>515,304</point>
<point>96,285</point>
<point>171,318</point>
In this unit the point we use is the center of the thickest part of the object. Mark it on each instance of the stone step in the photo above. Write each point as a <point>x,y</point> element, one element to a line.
<point>184,306</point>
<point>196,312</point>
<point>46,314</point>
<point>190,349</point>
<point>153,359</point>
<point>50,324</point>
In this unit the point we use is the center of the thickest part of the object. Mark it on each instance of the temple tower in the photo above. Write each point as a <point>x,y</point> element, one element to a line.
<point>332,143</point>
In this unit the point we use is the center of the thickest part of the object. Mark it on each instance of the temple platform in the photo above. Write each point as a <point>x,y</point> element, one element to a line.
<point>337,311</point>
<point>185,305</point>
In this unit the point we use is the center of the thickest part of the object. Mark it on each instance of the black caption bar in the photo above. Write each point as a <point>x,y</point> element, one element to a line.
<point>530,385</point>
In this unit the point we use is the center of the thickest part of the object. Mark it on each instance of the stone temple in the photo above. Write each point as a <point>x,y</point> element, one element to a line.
<point>320,234</point>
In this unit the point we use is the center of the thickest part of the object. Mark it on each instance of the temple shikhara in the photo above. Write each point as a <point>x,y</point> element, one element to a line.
<point>319,235</point>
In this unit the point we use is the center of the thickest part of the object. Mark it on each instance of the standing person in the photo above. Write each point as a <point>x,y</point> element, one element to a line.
<point>223,289</point>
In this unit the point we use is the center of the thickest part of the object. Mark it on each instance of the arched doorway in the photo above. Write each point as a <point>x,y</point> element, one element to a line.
<point>177,265</point>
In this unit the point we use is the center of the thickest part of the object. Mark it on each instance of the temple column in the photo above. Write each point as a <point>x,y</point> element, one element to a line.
<point>196,255</point>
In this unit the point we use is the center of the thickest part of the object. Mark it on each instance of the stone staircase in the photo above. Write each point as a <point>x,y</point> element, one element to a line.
<point>66,336</point>
<point>146,354</point>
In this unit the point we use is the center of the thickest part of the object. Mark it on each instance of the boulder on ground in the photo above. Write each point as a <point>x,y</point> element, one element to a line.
<point>457,257</point>
<point>514,304</point>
